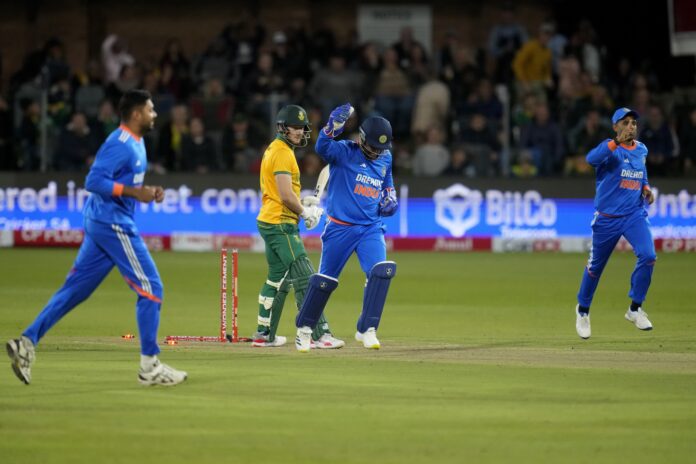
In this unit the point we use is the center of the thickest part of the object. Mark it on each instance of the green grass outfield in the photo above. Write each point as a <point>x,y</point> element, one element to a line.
<point>479,363</point>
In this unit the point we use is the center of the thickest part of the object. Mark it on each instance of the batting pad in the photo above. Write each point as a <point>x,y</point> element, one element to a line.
<point>376,291</point>
<point>318,293</point>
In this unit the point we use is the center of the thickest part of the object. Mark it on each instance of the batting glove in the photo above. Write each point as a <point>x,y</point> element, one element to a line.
<point>388,204</point>
<point>312,216</point>
<point>310,200</point>
<point>337,120</point>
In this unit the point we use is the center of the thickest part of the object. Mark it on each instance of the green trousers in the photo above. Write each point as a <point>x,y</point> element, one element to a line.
<point>288,265</point>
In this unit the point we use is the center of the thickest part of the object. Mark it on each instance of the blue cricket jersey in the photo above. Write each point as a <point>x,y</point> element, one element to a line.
<point>355,182</point>
<point>621,177</point>
<point>121,161</point>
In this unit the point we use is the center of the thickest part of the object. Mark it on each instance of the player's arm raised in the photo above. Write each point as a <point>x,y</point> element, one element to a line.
<point>325,147</point>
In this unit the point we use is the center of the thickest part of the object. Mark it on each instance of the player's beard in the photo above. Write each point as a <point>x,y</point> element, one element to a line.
<point>147,127</point>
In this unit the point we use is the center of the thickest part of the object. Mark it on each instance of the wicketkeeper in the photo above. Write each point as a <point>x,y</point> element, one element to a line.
<point>360,193</point>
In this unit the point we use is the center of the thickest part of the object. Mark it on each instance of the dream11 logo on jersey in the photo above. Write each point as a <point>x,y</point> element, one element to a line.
<point>457,209</point>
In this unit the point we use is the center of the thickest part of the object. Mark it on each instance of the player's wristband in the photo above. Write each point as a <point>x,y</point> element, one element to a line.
<point>117,190</point>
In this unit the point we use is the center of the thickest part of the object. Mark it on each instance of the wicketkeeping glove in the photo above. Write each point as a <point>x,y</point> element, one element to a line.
<point>388,204</point>
<point>337,120</point>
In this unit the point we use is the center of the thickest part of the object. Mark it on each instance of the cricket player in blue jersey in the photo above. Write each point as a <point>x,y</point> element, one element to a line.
<point>111,238</point>
<point>622,193</point>
<point>360,192</point>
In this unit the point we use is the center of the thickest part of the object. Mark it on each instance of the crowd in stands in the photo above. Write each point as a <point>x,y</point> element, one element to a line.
<point>528,103</point>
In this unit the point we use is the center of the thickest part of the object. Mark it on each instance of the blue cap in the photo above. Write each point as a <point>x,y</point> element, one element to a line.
<point>377,132</point>
<point>622,113</point>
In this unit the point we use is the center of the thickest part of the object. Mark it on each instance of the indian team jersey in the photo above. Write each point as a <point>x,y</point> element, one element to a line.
<point>621,177</point>
<point>355,183</point>
<point>279,158</point>
<point>121,161</point>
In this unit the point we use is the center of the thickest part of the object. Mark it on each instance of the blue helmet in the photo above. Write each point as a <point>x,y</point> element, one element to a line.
<point>375,136</point>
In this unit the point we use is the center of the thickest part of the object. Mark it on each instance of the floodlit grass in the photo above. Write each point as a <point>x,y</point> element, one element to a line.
<point>479,363</point>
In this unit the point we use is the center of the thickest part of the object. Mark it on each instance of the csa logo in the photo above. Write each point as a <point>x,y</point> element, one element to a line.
<point>382,139</point>
<point>301,116</point>
<point>457,209</point>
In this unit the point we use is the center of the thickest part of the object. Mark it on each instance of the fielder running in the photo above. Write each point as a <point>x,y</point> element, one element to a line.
<point>281,209</point>
<point>622,191</point>
<point>360,192</point>
<point>111,238</point>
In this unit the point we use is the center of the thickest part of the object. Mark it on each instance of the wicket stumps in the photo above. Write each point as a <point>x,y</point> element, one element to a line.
<point>223,336</point>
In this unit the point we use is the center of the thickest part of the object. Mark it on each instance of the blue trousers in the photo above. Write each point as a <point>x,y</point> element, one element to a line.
<point>106,246</point>
<point>606,232</point>
<point>340,241</point>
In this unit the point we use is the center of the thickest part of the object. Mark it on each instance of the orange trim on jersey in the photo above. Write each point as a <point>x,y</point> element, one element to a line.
<point>141,292</point>
<point>338,221</point>
<point>630,147</point>
<point>646,187</point>
<point>610,215</point>
<point>126,129</point>
<point>612,145</point>
<point>117,190</point>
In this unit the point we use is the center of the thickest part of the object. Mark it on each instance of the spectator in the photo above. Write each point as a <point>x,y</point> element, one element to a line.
<point>170,137</point>
<point>214,107</point>
<point>334,86</point>
<point>432,157</point>
<point>461,78</point>
<point>198,150</point>
<point>77,145</point>
<point>369,66</point>
<point>583,138</point>
<point>659,138</point>
<point>7,157</point>
<point>114,57</point>
<point>484,101</point>
<point>543,138</point>
<point>89,89</point>
<point>404,48</point>
<point>418,70</point>
<point>55,62</point>
<point>687,142</point>
<point>532,65</point>
<point>175,69</point>
<point>481,143</point>
<point>214,63</point>
<point>128,79</point>
<point>460,164</point>
<point>431,109</point>
<point>260,84</point>
<point>394,95</point>
<point>524,167</point>
<point>106,121</point>
<point>28,135</point>
<point>240,143</point>
<point>505,39</point>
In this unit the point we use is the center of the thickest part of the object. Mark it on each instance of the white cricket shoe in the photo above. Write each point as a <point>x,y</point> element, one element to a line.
<point>328,342</point>
<point>303,341</point>
<point>639,318</point>
<point>582,324</point>
<point>262,342</point>
<point>368,339</point>
<point>161,374</point>
<point>21,352</point>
